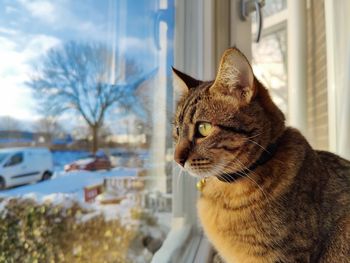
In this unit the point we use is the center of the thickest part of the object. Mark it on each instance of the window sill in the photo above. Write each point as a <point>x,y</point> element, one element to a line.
<point>184,244</point>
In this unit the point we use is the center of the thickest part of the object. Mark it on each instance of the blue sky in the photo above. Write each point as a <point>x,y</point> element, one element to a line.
<point>28,28</point>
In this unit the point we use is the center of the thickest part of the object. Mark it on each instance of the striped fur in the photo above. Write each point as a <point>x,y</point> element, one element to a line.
<point>293,208</point>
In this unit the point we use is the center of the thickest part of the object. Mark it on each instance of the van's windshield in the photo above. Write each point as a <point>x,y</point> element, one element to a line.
<point>3,157</point>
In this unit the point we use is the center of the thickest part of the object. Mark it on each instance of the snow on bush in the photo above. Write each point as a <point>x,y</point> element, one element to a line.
<point>59,229</point>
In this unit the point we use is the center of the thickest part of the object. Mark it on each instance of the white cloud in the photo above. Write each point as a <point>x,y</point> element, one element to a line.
<point>139,47</point>
<point>10,9</point>
<point>59,15</point>
<point>8,31</point>
<point>39,44</point>
<point>16,99</point>
<point>42,9</point>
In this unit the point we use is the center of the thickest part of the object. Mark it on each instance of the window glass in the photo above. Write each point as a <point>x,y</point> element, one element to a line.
<point>274,6</point>
<point>270,66</point>
<point>89,83</point>
<point>271,8</point>
<point>3,156</point>
<point>15,159</point>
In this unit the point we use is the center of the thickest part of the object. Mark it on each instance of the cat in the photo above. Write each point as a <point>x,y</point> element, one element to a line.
<point>266,195</point>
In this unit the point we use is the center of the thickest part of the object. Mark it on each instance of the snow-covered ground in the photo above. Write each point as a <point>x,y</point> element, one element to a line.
<point>70,184</point>
<point>67,188</point>
<point>61,158</point>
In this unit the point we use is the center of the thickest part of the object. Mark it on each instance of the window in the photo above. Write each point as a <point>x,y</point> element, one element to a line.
<point>3,156</point>
<point>89,83</point>
<point>270,66</point>
<point>270,54</point>
<point>15,159</point>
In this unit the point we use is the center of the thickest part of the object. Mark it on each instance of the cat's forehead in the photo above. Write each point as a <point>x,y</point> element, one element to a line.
<point>200,103</point>
<point>190,99</point>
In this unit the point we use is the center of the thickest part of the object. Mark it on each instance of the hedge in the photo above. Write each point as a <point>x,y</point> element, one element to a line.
<point>44,232</point>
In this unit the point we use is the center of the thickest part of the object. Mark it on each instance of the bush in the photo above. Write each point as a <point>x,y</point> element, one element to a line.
<point>32,232</point>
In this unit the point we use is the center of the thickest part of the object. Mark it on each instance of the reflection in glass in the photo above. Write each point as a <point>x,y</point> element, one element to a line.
<point>90,83</point>
<point>270,66</point>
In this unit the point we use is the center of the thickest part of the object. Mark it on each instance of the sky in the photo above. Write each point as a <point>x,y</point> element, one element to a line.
<point>29,28</point>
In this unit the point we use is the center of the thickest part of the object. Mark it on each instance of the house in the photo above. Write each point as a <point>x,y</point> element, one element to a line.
<point>15,137</point>
<point>27,138</point>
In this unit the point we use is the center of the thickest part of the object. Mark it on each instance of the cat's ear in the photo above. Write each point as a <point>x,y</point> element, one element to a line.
<point>235,77</point>
<point>183,83</point>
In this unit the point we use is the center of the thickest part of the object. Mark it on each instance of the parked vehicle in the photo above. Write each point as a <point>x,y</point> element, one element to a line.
<point>24,165</point>
<point>92,163</point>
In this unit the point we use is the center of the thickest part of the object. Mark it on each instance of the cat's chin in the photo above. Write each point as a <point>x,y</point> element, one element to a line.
<point>198,175</point>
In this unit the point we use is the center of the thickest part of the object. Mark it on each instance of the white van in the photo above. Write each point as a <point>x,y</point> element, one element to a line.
<point>24,165</point>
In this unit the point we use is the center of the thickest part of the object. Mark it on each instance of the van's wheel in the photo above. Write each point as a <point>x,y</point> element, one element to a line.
<point>46,176</point>
<point>2,183</point>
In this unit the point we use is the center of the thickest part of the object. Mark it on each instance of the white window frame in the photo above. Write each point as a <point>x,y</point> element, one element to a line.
<point>338,83</point>
<point>293,20</point>
<point>196,52</point>
<point>202,32</point>
<point>273,23</point>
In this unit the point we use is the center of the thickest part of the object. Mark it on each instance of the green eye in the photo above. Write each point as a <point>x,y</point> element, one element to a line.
<point>204,128</point>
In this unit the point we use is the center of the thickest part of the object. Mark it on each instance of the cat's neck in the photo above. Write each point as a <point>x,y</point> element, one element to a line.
<point>267,181</point>
<point>265,156</point>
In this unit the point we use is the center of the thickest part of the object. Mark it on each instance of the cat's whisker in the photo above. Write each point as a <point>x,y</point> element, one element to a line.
<point>256,143</point>
<point>259,187</point>
<point>245,174</point>
<point>254,136</point>
<point>248,139</point>
<point>221,171</point>
<point>218,170</point>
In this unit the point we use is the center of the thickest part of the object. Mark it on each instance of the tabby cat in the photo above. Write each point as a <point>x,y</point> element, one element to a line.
<point>266,195</point>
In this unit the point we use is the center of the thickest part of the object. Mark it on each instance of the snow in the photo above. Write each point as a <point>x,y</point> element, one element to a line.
<point>61,158</point>
<point>67,188</point>
<point>69,184</point>
<point>83,162</point>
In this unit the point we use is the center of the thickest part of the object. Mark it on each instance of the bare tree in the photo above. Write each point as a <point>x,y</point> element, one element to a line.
<point>50,126</point>
<point>81,131</point>
<point>81,77</point>
<point>8,123</point>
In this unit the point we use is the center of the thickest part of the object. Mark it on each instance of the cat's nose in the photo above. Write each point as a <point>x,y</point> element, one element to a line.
<point>182,151</point>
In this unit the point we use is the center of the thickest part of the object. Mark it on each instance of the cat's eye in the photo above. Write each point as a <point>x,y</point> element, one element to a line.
<point>204,128</point>
<point>177,130</point>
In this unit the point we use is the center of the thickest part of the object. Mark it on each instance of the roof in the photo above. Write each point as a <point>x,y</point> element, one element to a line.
<point>15,149</point>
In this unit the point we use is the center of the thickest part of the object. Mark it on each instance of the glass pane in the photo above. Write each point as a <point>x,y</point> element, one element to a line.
<point>270,66</point>
<point>85,87</point>
<point>274,6</point>
<point>270,8</point>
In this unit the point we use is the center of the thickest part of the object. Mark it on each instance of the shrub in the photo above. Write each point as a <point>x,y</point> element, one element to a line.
<point>33,232</point>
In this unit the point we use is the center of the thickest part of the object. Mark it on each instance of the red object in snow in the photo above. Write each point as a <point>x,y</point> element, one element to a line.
<point>90,164</point>
<point>90,192</point>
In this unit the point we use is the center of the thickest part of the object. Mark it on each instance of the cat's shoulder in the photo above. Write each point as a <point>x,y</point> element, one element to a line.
<point>333,160</point>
